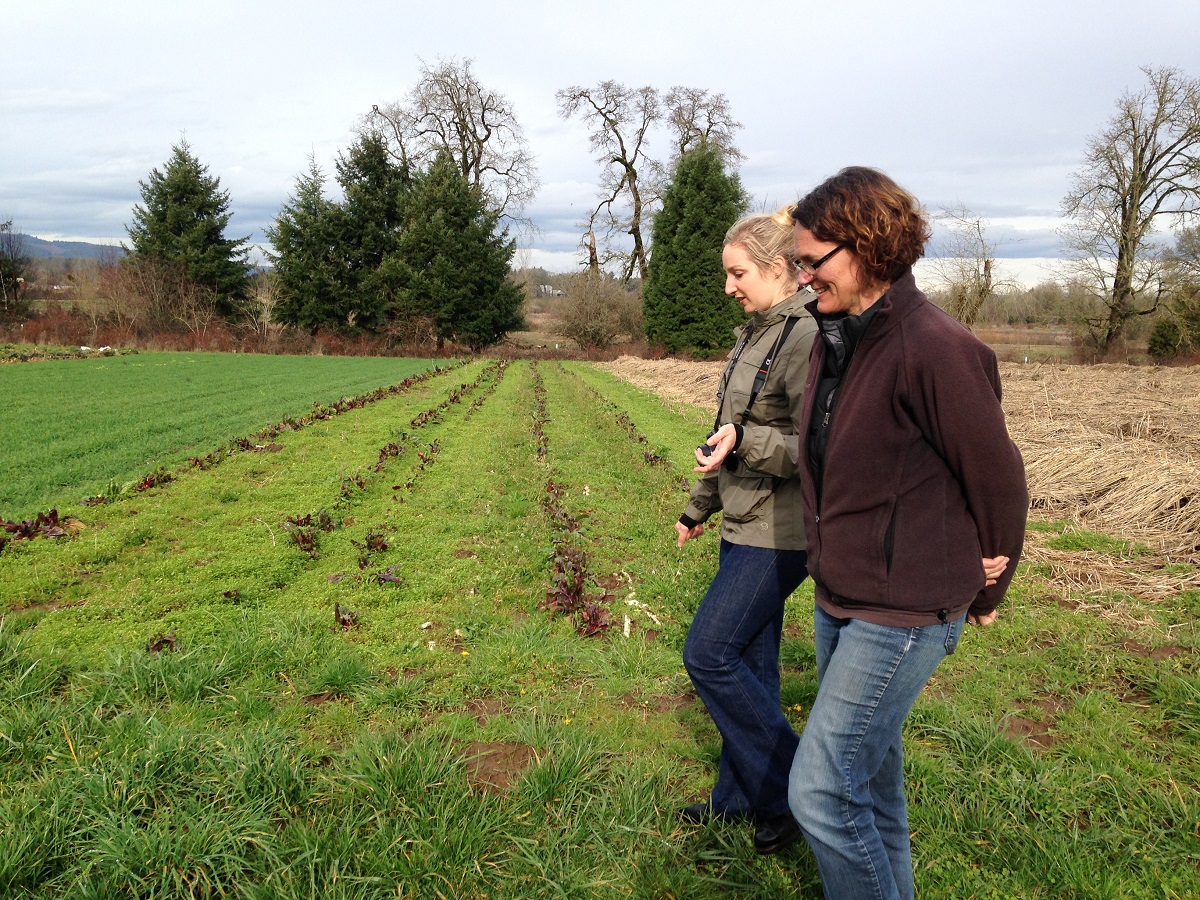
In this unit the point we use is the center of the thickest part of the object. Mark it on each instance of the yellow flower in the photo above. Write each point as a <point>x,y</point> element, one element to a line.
<point>566,721</point>
<point>466,653</point>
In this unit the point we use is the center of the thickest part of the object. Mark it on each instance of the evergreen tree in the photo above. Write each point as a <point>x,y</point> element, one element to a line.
<point>453,261</point>
<point>685,305</point>
<point>181,224</point>
<point>369,228</point>
<point>13,263</point>
<point>308,260</point>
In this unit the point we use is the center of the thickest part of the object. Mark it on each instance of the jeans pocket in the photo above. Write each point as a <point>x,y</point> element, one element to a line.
<point>953,633</point>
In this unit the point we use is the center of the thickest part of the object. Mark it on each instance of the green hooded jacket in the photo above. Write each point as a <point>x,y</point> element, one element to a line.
<point>757,488</point>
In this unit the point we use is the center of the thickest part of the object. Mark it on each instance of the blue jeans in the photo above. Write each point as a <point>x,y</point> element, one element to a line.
<point>847,783</point>
<point>732,656</point>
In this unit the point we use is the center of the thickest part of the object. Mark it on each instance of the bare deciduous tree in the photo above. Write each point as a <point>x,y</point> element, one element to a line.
<point>1182,269</point>
<point>87,296</point>
<point>621,122</point>
<point>599,310</point>
<point>260,310</point>
<point>13,263</point>
<point>157,293</point>
<point>697,116</point>
<point>966,265</point>
<point>449,109</point>
<point>1144,166</point>
<point>195,307</point>
<point>108,292</point>
<point>620,119</point>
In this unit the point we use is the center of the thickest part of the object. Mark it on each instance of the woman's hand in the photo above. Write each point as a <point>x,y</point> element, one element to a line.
<point>993,568</point>
<point>685,534</point>
<point>722,442</point>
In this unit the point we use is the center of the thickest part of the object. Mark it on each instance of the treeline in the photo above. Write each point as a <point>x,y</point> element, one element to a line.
<point>407,241</point>
<point>414,255</point>
<point>407,256</point>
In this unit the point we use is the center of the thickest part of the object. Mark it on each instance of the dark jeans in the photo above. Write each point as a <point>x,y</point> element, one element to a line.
<point>732,656</point>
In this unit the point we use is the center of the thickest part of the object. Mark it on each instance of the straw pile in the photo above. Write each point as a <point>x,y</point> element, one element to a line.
<point>685,382</point>
<point>1115,449</point>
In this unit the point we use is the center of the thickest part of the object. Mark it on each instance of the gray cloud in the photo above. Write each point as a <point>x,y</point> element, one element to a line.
<point>965,104</point>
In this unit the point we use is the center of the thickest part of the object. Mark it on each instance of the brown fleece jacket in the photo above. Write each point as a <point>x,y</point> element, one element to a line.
<point>921,480</point>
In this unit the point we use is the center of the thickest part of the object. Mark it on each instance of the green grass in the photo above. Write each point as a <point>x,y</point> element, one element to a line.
<point>1068,536</point>
<point>71,426</point>
<point>459,742</point>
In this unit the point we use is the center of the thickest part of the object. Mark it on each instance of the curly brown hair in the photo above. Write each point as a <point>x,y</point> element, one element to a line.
<point>863,209</point>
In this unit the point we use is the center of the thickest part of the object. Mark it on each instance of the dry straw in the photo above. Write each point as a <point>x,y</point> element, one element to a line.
<point>1114,449</point>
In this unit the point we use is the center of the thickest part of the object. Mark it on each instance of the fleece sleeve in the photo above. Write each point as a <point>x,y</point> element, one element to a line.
<point>961,393</point>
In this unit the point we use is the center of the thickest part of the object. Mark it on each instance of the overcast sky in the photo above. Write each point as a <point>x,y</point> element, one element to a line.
<point>987,105</point>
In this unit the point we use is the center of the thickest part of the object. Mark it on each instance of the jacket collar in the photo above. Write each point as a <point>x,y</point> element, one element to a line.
<point>897,302</point>
<point>842,333</point>
<point>794,305</point>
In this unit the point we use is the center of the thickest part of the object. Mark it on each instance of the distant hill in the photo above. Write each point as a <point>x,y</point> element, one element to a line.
<point>36,248</point>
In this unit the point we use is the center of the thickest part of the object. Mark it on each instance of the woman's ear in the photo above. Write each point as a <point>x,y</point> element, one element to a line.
<point>784,271</point>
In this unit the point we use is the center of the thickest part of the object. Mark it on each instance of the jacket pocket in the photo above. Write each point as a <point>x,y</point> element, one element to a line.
<point>741,380</point>
<point>744,498</point>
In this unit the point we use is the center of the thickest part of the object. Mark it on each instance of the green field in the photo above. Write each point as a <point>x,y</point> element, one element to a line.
<point>69,427</point>
<point>182,714</point>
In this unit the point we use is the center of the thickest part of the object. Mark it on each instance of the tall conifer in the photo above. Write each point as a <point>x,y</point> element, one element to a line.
<point>686,308</point>
<point>181,223</point>
<point>455,260</point>
<point>307,257</point>
<point>369,227</point>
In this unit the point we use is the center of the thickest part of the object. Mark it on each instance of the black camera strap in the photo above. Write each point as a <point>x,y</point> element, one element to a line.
<point>733,361</point>
<point>760,377</point>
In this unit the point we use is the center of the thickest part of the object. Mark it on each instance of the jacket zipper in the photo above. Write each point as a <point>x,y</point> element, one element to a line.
<point>825,423</point>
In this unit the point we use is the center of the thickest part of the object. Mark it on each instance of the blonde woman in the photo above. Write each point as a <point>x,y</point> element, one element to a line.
<point>749,474</point>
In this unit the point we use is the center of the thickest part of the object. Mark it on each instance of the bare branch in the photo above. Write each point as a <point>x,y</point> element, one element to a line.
<point>620,121</point>
<point>1142,168</point>
<point>450,109</point>
<point>966,264</point>
<point>696,116</point>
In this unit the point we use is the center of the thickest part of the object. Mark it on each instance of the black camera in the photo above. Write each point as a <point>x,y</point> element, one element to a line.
<point>730,462</point>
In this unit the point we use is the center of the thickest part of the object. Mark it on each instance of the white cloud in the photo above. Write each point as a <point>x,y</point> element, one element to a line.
<point>1024,272</point>
<point>962,103</point>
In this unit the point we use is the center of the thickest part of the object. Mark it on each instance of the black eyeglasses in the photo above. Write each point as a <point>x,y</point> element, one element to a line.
<point>811,268</point>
